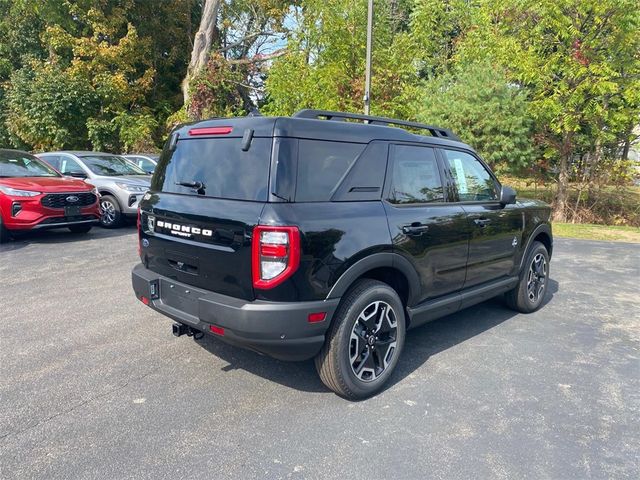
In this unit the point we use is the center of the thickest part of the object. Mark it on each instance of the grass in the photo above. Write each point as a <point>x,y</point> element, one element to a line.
<point>597,232</point>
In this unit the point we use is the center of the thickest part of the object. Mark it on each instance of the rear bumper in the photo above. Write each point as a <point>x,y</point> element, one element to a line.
<point>278,329</point>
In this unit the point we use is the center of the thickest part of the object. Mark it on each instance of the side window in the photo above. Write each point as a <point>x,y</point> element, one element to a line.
<point>322,166</point>
<point>68,166</point>
<point>52,160</point>
<point>146,165</point>
<point>473,181</point>
<point>415,177</point>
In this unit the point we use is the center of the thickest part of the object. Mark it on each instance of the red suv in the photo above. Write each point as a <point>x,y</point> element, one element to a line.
<point>35,196</point>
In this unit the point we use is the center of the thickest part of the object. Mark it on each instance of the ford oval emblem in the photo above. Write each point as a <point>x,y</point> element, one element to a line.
<point>72,199</point>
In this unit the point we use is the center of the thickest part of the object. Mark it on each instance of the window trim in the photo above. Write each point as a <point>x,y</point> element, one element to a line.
<point>453,188</point>
<point>388,181</point>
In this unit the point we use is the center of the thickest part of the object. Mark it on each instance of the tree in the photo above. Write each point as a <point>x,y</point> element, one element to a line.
<point>324,63</point>
<point>233,47</point>
<point>578,60</point>
<point>487,112</point>
<point>202,43</point>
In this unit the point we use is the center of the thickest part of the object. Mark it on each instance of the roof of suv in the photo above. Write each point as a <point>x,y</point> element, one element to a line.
<point>80,153</point>
<point>324,125</point>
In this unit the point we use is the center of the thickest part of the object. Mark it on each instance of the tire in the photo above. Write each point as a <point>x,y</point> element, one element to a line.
<point>111,216</point>
<point>4,232</point>
<point>80,228</point>
<point>348,363</point>
<point>528,295</point>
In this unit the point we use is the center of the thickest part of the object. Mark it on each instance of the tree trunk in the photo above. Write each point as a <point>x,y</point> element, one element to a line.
<point>202,43</point>
<point>560,200</point>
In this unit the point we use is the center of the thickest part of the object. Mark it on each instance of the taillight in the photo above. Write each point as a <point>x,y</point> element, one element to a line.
<point>275,255</point>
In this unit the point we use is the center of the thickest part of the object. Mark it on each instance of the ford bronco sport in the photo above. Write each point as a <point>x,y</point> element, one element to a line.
<point>327,235</point>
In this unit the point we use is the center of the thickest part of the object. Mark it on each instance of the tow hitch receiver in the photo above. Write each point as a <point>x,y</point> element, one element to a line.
<point>180,329</point>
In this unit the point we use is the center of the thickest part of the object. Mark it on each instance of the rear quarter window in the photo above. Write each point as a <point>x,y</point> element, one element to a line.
<point>322,166</point>
<point>220,165</point>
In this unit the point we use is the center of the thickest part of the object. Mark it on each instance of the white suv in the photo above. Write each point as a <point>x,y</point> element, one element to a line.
<point>121,183</point>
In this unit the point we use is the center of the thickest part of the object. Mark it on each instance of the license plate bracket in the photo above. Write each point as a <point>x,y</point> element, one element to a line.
<point>72,211</point>
<point>179,298</point>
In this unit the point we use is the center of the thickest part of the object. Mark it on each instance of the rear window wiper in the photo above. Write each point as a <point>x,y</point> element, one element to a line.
<point>197,186</point>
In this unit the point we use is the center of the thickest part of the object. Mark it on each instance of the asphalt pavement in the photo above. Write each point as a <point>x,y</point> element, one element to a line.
<point>94,385</point>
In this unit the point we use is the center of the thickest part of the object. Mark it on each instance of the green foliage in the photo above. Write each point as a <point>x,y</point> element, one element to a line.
<point>76,74</point>
<point>481,107</point>
<point>437,28</point>
<point>214,90</point>
<point>325,62</point>
<point>47,107</point>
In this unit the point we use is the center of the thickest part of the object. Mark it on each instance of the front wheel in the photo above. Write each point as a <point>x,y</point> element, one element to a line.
<point>364,342</point>
<point>528,294</point>
<point>111,215</point>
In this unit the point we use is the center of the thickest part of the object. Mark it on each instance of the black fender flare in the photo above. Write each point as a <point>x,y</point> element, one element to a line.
<point>378,260</point>
<point>542,228</point>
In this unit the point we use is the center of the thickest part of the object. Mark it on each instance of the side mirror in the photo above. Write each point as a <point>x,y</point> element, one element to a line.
<point>77,174</point>
<point>507,195</point>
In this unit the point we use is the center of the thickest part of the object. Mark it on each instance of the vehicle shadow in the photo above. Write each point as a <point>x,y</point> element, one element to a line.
<point>421,344</point>
<point>62,235</point>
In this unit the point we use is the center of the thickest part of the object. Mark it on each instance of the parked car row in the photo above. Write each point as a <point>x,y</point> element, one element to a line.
<point>70,189</point>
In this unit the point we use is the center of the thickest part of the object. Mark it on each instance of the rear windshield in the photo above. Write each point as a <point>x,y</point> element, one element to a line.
<point>215,167</point>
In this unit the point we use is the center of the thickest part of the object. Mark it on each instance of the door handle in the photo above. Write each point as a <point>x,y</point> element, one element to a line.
<point>482,222</point>
<point>416,228</point>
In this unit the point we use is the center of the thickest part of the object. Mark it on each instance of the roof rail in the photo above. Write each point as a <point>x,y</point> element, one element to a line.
<point>372,120</point>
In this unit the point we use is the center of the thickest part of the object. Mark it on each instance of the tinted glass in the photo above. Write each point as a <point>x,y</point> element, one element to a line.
<point>111,165</point>
<point>69,166</point>
<point>415,175</point>
<point>146,165</point>
<point>473,181</point>
<point>19,164</point>
<point>52,160</point>
<point>217,164</point>
<point>321,168</point>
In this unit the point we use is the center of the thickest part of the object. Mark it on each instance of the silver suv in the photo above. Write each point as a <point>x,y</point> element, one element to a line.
<point>121,183</point>
<point>146,161</point>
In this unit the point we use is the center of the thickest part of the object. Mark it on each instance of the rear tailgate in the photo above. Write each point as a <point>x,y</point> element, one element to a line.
<point>206,197</point>
<point>211,251</point>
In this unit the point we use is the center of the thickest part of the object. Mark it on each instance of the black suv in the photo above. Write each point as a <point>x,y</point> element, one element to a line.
<point>328,235</point>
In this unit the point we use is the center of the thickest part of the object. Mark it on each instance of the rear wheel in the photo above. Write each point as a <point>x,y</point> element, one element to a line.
<point>111,214</point>
<point>528,294</point>
<point>4,233</point>
<point>364,342</point>
<point>80,228</point>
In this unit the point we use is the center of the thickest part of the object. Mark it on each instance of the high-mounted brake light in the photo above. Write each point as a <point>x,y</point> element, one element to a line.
<point>275,255</point>
<point>210,131</point>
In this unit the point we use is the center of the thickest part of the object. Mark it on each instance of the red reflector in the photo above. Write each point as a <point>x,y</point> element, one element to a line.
<point>317,317</point>
<point>267,250</point>
<point>216,329</point>
<point>144,300</point>
<point>211,131</point>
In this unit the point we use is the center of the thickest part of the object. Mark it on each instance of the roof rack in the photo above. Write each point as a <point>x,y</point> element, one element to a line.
<point>372,120</point>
